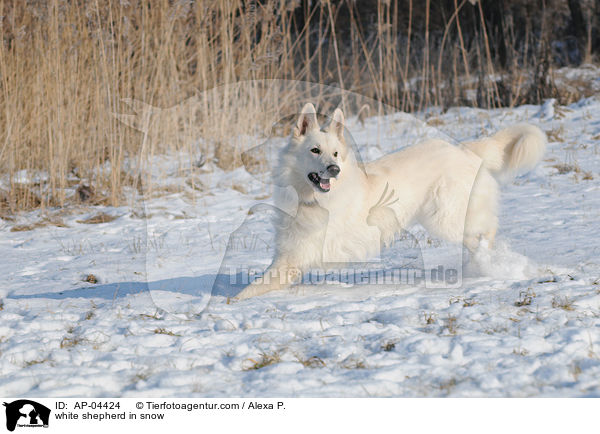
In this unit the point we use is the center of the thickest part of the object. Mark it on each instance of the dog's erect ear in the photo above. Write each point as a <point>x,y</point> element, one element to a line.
<point>337,124</point>
<point>307,121</point>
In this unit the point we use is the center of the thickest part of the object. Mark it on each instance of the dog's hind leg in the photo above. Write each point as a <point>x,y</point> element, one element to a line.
<point>490,236</point>
<point>481,221</point>
<point>471,243</point>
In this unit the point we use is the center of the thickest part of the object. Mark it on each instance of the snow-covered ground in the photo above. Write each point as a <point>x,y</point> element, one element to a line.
<point>526,322</point>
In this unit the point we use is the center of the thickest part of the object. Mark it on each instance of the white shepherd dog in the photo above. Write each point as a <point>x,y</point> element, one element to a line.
<point>344,211</point>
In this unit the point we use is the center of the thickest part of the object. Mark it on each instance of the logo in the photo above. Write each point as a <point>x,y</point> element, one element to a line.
<point>26,413</point>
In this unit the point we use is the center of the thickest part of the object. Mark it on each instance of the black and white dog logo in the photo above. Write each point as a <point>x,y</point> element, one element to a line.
<point>26,413</point>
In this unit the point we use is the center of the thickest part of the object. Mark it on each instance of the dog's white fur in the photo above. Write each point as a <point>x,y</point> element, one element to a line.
<point>452,191</point>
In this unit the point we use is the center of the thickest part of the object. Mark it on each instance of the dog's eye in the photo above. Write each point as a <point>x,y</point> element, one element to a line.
<point>315,150</point>
<point>335,154</point>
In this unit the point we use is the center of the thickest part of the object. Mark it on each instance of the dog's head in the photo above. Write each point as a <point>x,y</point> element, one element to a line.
<point>320,152</point>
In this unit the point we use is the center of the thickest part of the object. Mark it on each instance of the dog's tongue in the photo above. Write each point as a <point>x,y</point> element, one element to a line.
<point>324,184</point>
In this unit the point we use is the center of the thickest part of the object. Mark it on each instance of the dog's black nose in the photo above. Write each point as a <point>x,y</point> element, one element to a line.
<point>333,170</point>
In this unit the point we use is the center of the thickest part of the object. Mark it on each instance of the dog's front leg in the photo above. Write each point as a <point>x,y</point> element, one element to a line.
<point>278,276</point>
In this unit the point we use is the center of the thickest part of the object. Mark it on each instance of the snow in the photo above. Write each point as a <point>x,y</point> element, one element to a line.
<point>524,322</point>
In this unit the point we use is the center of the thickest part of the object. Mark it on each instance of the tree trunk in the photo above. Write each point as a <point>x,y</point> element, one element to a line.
<point>579,26</point>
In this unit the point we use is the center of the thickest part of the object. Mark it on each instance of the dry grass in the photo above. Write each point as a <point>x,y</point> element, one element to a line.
<point>163,331</point>
<point>466,302</point>
<point>195,78</point>
<point>564,303</point>
<point>448,386</point>
<point>156,316</point>
<point>352,362</point>
<point>266,359</point>
<point>525,298</point>
<point>430,318</point>
<point>90,278</point>
<point>240,188</point>
<point>519,351</point>
<point>388,346</point>
<point>451,324</point>
<point>564,168</point>
<point>46,221</point>
<point>587,176</point>
<point>312,362</point>
<point>70,341</point>
<point>141,376</point>
<point>35,362</point>
<point>98,218</point>
<point>556,134</point>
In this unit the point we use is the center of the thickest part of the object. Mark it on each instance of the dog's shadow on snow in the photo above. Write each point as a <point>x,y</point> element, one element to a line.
<point>200,286</point>
<point>245,248</point>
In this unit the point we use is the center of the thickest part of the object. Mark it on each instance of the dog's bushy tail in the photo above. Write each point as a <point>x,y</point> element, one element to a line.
<point>511,151</point>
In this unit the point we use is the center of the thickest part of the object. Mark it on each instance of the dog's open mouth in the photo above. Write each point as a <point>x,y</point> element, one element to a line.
<point>321,183</point>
